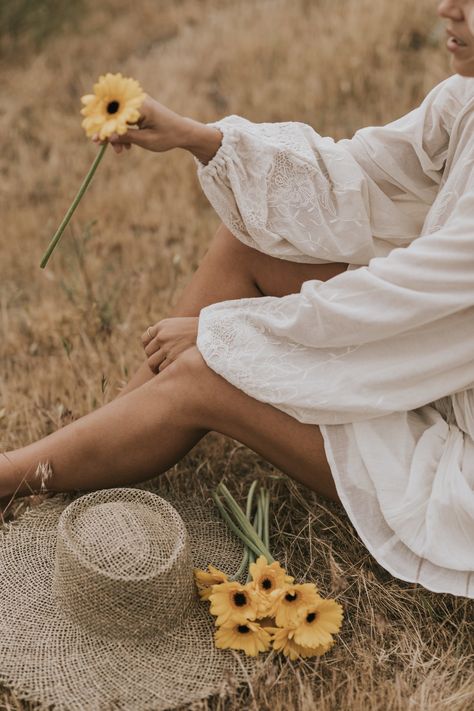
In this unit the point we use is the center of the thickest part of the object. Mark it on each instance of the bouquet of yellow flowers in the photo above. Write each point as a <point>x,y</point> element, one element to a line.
<point>270,610</point>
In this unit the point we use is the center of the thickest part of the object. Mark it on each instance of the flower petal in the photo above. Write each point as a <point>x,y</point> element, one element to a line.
<point>125,93</point>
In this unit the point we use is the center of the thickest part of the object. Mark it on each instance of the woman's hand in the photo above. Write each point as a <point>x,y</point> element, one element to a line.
<point>160,129</point>
<point>164,341</point>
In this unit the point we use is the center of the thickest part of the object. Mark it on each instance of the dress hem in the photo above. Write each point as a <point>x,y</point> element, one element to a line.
<point>338,481</point>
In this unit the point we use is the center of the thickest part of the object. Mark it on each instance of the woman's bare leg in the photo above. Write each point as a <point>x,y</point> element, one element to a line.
<point>231,270</point>
<point>148,430</point>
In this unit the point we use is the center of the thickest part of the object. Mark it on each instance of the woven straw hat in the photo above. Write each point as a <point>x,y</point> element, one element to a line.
<point>98,607</point>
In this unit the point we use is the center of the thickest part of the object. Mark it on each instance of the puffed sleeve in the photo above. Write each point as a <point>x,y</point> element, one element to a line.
<point>390,336</point>
<point>289,192</point>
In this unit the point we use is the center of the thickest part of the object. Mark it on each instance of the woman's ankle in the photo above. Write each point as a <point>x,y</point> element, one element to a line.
<point>14,480</point>
<point>6,478</point>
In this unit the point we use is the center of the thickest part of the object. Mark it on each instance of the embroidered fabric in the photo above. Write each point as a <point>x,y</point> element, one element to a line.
<point>373,353</point>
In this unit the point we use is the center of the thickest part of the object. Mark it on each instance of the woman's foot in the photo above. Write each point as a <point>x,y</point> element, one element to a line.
<point>12,505</point>
<point>6,507</point>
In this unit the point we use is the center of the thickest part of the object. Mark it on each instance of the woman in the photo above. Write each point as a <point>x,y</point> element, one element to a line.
<point>346,301</point>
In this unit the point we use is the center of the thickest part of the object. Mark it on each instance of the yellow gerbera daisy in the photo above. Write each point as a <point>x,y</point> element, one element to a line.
<point>249,636</point>
<point>206,579</point>
<point>232,602</point>
<point>113,106</point>
<point>291,604</point>
<point>283,641</point>
<point>320,622</point>
<point>266,580</point>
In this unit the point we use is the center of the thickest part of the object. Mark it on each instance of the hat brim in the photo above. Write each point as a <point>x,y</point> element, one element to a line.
<point>48,659</point>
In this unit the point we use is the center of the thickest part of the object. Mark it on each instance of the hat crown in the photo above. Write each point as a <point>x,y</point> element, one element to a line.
<point>123,563</point>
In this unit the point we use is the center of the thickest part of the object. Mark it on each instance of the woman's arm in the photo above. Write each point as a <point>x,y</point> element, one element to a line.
<point>391,336</point>
<point>160,129</point>
<point>291,193</point>
<point>285,190</point>
<point>201,140</point>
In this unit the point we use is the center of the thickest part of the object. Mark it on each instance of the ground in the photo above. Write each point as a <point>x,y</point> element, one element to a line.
<point>70,333</point>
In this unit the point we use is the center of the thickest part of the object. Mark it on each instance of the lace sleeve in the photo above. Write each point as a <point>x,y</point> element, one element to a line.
<point>390,336</point>
<point>285,190</point>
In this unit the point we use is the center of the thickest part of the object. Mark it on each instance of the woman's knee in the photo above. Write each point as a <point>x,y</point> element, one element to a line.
<point>270,275</point>
<point>226,242</point>
<point>189,379</point>
<point>190,364</point>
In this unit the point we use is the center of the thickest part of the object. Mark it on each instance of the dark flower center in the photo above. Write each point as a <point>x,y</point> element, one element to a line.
<point>311,617</point>
<point>240,599</point>
<point>243,629</point>
<point>113,107</point>
<point>291,596</point>
<point>266,584</point>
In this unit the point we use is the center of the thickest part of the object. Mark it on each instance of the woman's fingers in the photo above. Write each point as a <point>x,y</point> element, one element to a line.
<point>115,141</point>
<point>152,346</point>
<point>148,335</point>
<point>143,137</point>
<point>164,364</point>
<point>118,148</point>
<point>156,359</point>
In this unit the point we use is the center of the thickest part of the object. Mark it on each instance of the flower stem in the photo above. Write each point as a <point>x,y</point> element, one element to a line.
<point>252,556</point>
<point>248,511</point>
<point>242,566</point>
<point>241,519</point>
<point>250,543</point>
<point>244,524</point>
<point>258,526</point>
<point>248,556</point>
<point>266,520</point>
<point>261,513</point>
<point>85,184</point>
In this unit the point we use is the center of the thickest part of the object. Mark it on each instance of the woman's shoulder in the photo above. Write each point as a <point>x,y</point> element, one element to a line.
<point>453,94</point>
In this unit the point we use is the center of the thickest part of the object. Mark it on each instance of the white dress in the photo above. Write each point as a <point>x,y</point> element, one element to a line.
<point>381,357</point>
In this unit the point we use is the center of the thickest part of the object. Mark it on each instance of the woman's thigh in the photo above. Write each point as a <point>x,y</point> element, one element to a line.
<point>296,448</point>
<point>232,270</point>
<point>271,275</point>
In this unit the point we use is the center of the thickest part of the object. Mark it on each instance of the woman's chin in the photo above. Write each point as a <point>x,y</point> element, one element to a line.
<point>463,67</point>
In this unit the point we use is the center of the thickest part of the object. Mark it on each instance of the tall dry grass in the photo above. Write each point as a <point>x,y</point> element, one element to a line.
<point>70,334</point>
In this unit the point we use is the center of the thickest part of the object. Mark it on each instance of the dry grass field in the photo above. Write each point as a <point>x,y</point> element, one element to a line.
<point>70,334</point>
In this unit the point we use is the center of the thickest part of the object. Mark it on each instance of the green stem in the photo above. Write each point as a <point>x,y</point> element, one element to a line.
<point>262,519</point>
<point>266,521</point>
<point>243,521</point>
<point>242,566</point>
<point>233,527</point>
<point>240,518</point>
<point>260,510</point>
<point>85,184</point>
<point>250,498</point>
<point>252,556</point>
<point>248,556</point>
